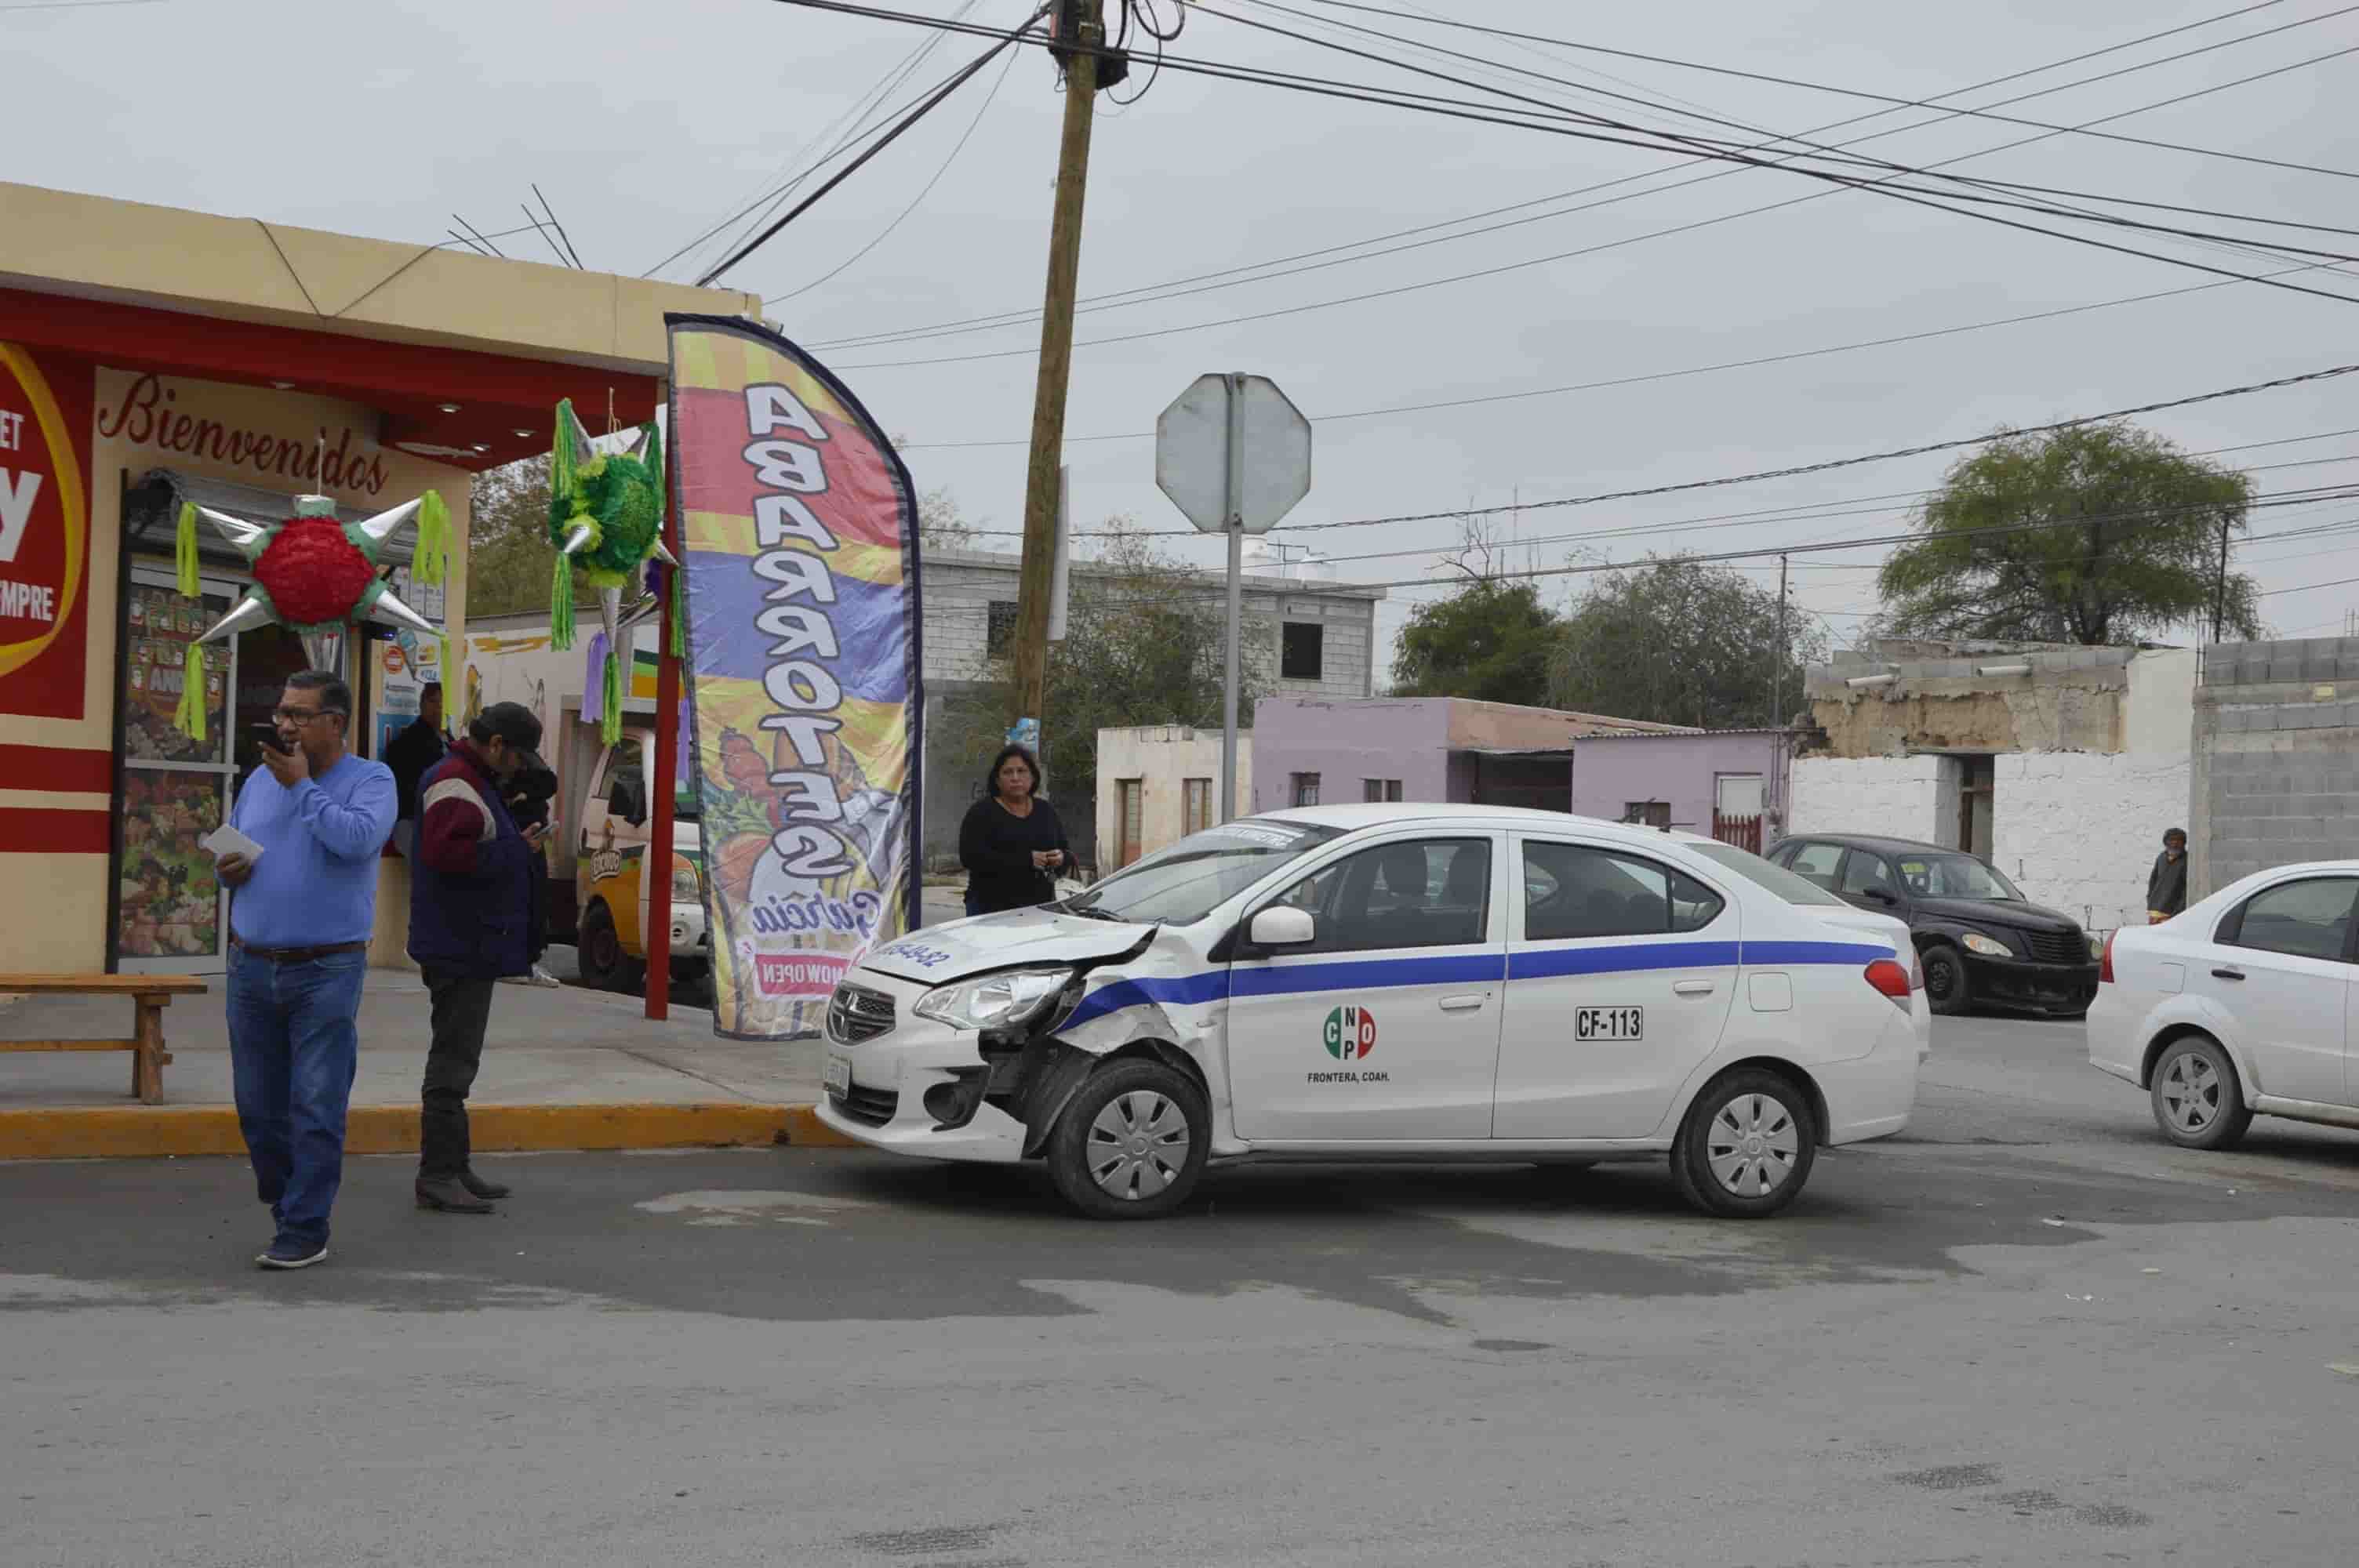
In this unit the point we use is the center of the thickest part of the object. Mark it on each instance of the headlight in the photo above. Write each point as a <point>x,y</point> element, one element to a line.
<point>1003,1000</point>
<point>684,885</point>
<point>1988,947</point>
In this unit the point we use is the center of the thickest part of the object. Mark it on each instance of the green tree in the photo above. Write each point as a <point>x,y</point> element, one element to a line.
<point>1488,639</point>
<point>1144,643</point>
<point>509,557</point>
<point>1677,642</point>
<point>2132,542</point>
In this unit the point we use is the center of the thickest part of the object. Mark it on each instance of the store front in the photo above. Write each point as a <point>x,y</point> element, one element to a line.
<point>150,357</point>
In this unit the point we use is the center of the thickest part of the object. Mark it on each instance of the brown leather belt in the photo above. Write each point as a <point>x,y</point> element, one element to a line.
<point>295,954</point>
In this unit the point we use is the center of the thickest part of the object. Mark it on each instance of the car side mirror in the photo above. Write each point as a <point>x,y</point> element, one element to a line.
<point>1283,926</point>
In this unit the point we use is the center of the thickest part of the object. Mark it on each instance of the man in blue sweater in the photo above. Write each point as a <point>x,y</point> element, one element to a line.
<point>299,918</point>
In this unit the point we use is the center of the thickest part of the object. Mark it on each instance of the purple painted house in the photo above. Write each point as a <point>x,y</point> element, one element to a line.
<point>1691,780</point>
<point>1310,751</point>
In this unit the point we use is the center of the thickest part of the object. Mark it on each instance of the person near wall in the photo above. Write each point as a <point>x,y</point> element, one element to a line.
<point>300,917</point>
<point>470,925</point>
<point>1012,843</point>
<point>2165,885</point>
<point>409,754</point>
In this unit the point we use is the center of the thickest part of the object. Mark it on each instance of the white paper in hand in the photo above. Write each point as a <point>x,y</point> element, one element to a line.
<point>227,840</point>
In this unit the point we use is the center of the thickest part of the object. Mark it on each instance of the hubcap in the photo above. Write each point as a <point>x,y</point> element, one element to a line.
<point>1137,1145</point>
<point>1752,1145</point>
<point>2191,1093</point>
<point>1941,978</point>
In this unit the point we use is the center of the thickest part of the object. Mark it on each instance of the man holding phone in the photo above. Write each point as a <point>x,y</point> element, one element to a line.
<point>471,912</point>
<point>300,911</point>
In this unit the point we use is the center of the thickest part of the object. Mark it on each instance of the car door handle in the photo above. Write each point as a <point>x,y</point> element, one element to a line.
<point>2227,973</point>
<point>1464,1003</point>
<point>1693,988</point>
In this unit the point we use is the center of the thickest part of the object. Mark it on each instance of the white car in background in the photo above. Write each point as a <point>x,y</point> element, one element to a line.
<point>2237,1007</point>
<point>1390,982</point>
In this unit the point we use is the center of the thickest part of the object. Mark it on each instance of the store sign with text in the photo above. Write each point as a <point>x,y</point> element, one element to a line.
<point>275,452</point>
<point>45,413</point>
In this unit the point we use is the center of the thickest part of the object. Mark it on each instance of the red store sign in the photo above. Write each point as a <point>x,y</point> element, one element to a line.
<point>44,535</point>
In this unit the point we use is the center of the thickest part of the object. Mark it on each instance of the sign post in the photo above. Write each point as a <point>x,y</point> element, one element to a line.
<point>1235,456</point>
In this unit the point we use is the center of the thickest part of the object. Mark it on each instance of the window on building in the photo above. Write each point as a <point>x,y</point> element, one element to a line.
<point>1306,789</point>
<point>1647,813</point>
<point>1000,637</point>
<point>1131,802</point>
<point>1301,650</point>
<point>1196,806</point>
<point>1376,790</point>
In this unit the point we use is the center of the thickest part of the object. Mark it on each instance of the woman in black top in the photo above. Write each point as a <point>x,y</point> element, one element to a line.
<point>1011,842</point>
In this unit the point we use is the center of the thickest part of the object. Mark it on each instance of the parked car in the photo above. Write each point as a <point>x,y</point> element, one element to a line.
<point>2237,1007</point>
<point>1980,939</point>
<point>1368,982</point>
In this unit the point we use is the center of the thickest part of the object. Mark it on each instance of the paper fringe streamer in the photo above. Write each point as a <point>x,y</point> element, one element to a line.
<point>189,718</point>
<point>184,552</point>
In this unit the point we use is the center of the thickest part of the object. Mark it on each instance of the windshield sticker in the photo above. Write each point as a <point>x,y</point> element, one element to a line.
<point>1349,1035</point>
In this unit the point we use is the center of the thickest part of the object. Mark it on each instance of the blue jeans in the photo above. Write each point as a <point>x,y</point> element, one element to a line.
<point>294,1044</point>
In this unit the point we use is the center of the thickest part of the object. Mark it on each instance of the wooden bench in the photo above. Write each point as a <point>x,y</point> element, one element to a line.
<point>151,994</point>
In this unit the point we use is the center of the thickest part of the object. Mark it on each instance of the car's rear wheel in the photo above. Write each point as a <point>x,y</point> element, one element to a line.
<point>1947,991</point>
<point>603,962</point>
<point>1746,1146</point>
<point>2198,1102</point>
<point>1131,1144</point>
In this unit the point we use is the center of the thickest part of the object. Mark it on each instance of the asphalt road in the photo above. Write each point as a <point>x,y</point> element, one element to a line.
<point>2024,1333</point>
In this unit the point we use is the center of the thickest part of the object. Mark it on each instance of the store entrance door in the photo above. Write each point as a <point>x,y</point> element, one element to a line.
<point>172,914</point>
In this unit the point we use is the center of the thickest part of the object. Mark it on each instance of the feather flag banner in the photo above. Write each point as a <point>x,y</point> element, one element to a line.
<point>800,543</point>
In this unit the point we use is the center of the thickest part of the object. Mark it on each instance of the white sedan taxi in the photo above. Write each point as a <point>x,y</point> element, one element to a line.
<point>2238,1006</point>
<point>1389,982</point>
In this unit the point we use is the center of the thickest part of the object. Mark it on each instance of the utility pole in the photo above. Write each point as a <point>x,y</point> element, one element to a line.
<point>1777,675</point>
<point>2220,591</point>
<point>1040,487</point>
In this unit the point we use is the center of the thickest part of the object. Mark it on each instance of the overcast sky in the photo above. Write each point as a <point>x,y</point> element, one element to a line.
<point>646,125</point>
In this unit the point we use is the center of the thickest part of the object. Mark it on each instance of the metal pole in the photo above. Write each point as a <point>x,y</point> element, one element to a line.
<point>655,872</point>
<point>1231,506</point>
<point>1778,676</point>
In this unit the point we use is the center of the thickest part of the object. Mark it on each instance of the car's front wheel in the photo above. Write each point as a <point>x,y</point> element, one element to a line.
<point>1746,1146</point>
<point>1947,991</point>
<point>1131,1144</point>
<point>2198,1102</point>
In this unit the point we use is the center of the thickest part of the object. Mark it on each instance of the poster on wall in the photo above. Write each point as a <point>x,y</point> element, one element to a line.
<point>169,898</point>
<point>799,529</point>
<point>45,419</point>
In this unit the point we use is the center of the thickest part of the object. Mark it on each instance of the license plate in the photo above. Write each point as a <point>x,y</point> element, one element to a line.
<point>1609,1024</point>
<point>838,1078</point>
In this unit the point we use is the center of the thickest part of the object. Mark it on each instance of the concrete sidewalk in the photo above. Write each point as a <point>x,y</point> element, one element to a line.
<point>566,1068</point>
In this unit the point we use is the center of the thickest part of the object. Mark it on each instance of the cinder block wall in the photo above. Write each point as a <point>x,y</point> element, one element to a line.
<point>2277,758</point>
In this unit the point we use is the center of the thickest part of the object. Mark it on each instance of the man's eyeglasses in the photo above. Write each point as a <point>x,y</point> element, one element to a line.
<point>300,715</point>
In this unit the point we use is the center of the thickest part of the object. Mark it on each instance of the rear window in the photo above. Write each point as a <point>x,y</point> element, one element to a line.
<point>1791,887</point>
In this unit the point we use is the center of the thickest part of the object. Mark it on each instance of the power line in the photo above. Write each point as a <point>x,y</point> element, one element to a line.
<point>886,140</point>
<point>1491,272</point>
<point>1882,98</point>
<point>968,135</point>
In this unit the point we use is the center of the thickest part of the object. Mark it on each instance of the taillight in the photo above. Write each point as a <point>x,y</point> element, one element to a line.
<point>1887,976</point>
<point>2105,964</point>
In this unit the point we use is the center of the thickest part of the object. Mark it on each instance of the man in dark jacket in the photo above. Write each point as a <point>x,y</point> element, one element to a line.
<point>2165,885</point>
<point>470,924</point>
<point>410,755</point>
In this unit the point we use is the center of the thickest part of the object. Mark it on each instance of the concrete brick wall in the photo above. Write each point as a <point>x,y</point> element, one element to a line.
<point>2079,830</point>
<point>2277,758</point>
<point>1898,795</point>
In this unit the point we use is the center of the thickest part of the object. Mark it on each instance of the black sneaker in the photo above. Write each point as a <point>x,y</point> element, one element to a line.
<point>289,1253</point>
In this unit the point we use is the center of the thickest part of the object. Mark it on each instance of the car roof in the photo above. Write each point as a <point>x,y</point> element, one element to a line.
<point>1453,813</point>
<point>1870,841</point>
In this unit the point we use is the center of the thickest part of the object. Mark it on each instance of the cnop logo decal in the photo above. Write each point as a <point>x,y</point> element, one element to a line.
<point>1350,1033</point>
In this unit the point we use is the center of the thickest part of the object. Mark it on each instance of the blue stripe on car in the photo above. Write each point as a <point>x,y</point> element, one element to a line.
<point>1384,974</point>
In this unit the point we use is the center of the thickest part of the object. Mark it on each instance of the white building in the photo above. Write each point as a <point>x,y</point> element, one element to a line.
<point>1158,784</point>
<point>2062,765</point>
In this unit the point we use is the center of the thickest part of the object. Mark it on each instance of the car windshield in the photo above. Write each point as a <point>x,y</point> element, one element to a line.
<point>1182,884</point>
<point>1954,876</point>
<point>1786,884</point>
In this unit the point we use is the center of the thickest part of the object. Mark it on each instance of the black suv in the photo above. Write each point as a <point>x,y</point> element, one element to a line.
<point>1979,940</point>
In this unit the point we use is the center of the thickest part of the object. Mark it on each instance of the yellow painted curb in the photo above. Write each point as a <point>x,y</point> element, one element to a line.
<point>109,1132</point>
